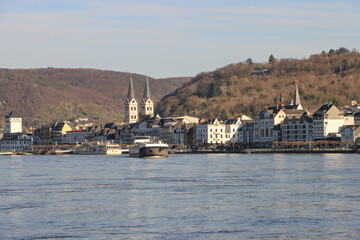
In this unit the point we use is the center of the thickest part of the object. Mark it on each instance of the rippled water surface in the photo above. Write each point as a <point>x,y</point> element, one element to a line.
<point>234,196</point>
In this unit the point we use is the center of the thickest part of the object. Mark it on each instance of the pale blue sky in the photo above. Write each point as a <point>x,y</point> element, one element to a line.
<point>166,38</point>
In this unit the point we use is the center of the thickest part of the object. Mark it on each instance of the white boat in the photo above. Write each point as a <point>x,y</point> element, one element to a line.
<point>96,148</point>
<point>6,153</point>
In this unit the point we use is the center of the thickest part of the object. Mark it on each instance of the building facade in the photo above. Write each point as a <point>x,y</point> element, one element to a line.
<point>328,121</point>
<point>147,105</point>
<point>13,123</point>
<point>297,128</point>
<point>131,106</point>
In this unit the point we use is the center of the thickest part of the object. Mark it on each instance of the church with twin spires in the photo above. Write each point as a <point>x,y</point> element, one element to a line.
<point>131,105</point>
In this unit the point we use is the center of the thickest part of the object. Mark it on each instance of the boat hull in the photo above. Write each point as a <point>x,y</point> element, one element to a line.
<point>153,152</point>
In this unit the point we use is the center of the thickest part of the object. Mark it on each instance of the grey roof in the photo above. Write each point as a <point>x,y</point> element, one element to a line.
<point>131,93</point>
<point>146,90</point>
<point>58,126</point>
<point>231,121</point>
<point>12,114</point>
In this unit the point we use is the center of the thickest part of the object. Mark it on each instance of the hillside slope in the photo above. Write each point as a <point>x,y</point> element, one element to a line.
<point>51,94</point>
<point>245,88</point>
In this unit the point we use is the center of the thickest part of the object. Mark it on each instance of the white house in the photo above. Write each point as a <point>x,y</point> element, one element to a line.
<point>231,130</point>
<point>328,120</point>
<point>211,131</point>
<point>264,125</point>
<point>13,123</point>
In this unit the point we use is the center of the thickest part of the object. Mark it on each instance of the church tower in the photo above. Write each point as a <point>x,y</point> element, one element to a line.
<point>147,105</point>
<point>131,106</point>
<point>297,104</point>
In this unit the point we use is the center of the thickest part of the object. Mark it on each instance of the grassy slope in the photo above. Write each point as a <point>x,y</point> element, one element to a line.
<point>51,94</point>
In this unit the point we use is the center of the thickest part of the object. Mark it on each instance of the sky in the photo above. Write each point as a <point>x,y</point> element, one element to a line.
<point>168,38</point>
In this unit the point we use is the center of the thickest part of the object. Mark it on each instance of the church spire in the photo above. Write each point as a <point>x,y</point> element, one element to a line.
<point>131,94</point>
<point>297,102</point>
<point>146,90</point>
<point>131,106</point>
<point>296,96</point>
<point>147,105</point>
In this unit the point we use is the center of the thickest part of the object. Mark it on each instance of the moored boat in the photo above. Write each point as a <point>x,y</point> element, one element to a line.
<point>149,150</point>
<point>96,148</point>
<point>153,150</point>
<point>6,153</point>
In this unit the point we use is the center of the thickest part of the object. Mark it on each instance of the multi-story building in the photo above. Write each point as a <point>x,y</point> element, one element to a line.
<point>297,128</point>
<point>13,139</point>
<point>13,123</point>
<point>166,132</point>
<point>211,131</point>
<point>265,123</point>
<point>58,132</point>
<point>76,136</point>
<point>357,118</point>
<point>246,132</point>
<point>327,121</point>
<point>351,134</point>
<point>16,142</point>
<point>266,126</point>
<point>231,130</point>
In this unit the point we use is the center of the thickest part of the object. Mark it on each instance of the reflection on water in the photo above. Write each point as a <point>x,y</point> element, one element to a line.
<point>229,196</point>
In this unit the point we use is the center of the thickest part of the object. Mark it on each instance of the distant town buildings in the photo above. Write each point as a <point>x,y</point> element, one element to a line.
<point>279,123</point>
<point>14,139</point>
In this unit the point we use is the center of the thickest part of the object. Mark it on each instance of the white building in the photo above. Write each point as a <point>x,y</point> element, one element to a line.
<point>264,125</point>
<point>13,123</point>
<point>131,106</point>
<point>212,132</point>
<point>328,120</point>
<point>147,105</point>
<point>231,130</point>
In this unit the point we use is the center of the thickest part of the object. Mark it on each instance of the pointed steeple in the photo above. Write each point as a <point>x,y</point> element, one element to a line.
<point>297,103</point>
<point>131,94</point>
<point>296,96</point>
<point>147,105</point>
<point>146,90</point>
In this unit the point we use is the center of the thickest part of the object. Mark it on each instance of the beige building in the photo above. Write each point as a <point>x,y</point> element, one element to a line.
<point>328,120</point>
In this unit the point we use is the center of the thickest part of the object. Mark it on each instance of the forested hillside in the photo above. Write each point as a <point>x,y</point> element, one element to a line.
<point>51,94</point>
<point>247,87</point>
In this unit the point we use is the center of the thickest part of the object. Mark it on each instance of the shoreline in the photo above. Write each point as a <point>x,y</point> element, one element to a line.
<point>262,151</point>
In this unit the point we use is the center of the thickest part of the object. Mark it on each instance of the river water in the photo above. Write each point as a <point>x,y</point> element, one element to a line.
<point>202,196</point>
